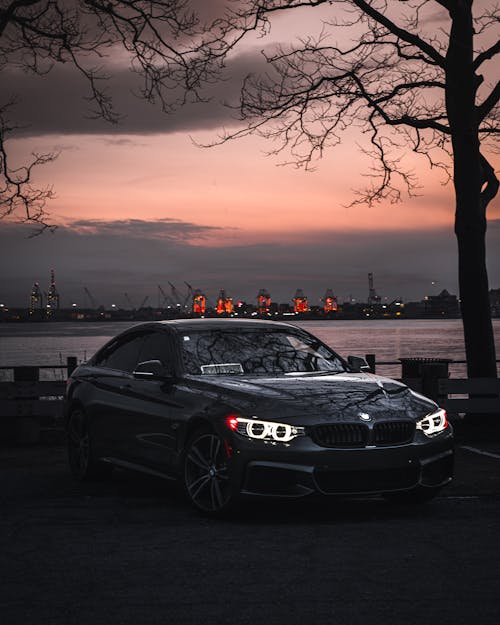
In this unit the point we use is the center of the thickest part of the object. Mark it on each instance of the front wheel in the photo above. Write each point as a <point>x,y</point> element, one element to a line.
<point>207,473</point>
<point>83,464</point>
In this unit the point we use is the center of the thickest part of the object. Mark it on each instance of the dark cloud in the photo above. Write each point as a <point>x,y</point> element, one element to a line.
<point>161,229</point>
<point>56,103</point>
<point>129,256</point>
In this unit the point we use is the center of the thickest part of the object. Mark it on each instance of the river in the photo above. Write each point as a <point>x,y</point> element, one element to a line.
<point>50,343</point>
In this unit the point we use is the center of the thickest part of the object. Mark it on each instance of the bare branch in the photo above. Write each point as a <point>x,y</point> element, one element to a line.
<point>390,80</point>
<point>486,55</point>
<point>401,33</point>
<point>445,3</point>
<point>37,34</point>
<point>19,199</point>
<point>490,183</point>
<point>484,109</point>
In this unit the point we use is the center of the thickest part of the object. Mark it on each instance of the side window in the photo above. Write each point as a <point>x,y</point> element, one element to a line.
<point>101,358</point>
<point>157,346</point>
<point>122,355</point>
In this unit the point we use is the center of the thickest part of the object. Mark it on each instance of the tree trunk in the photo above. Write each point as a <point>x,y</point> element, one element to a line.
<point>470,215</point>
<point>474,298</point>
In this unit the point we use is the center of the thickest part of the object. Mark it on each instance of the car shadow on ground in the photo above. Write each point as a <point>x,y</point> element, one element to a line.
<point>126,490</point>
<point>37,476</point>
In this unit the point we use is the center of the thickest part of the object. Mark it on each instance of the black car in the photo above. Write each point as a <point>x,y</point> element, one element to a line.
<point>245,407</point>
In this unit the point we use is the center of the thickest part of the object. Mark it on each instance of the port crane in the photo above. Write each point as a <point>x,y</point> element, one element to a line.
<point>166,298</point>
<point>329,301</point>
<point>189,297</point>
<point>90,297</point>
<point>373,297</point>
<point>36,298</point>
<point>176,296</point>
<point>129,301</point>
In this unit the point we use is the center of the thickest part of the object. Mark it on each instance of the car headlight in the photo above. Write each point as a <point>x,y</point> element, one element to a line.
<point>433,423</point>
<point>264,430</point>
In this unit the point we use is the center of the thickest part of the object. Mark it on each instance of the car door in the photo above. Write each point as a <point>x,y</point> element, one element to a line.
<point>110,406</point>
<point>157,405</point>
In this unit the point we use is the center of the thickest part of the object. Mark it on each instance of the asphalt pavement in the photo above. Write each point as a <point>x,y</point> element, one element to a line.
<point>131,551</point>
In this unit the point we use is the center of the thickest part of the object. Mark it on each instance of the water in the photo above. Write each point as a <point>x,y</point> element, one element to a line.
<point>50,343</point>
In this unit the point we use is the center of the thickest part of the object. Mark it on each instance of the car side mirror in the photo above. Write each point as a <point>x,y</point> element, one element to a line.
<point>358,364</point>
<point>152,369</point>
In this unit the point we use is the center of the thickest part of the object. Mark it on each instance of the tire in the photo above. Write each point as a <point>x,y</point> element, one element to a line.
<point>206,473</point>
<point>418,495</point>
<point>82,463</point>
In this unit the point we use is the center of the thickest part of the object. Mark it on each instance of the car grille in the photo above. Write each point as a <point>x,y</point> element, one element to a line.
<point>393,433</point>
<point>360,435</point>
<point>340,435</point>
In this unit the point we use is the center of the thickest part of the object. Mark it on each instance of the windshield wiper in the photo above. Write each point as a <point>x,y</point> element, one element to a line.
<point>309,373</point>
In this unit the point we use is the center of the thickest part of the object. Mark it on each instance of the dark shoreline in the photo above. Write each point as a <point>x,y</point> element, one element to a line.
<point>92,316</point>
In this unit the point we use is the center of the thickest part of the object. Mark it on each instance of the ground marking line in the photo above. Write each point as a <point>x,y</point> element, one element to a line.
<point>481,452</point>
<point>460,497</point>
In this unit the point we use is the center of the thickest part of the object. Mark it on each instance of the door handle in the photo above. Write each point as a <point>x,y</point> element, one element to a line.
<point>125,387</point>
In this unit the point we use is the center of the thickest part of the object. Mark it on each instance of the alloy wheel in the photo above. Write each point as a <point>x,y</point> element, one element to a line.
<point>78,445</point>
<point>206,473</point>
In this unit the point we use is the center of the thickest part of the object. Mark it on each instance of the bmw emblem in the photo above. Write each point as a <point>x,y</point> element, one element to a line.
<point>364,415</point>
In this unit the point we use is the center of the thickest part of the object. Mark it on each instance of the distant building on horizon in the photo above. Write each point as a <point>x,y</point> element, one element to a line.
<point>443,305</point>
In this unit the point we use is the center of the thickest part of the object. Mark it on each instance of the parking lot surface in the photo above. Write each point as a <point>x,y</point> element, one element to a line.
<point>131,551</point>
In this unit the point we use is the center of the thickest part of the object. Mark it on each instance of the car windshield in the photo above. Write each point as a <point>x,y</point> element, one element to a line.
<point>260,352</point>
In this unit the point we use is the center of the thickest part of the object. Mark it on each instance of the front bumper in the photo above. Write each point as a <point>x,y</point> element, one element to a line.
<point>305,468</point>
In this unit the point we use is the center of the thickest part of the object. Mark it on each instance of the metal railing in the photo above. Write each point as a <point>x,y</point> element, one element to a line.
<point>38,404</point>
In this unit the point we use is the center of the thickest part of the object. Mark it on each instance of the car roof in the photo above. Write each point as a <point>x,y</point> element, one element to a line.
<point>189,325</point>
<point>182,325</point>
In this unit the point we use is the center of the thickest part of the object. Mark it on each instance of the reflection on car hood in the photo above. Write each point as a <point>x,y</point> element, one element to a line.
<point>342,395</point>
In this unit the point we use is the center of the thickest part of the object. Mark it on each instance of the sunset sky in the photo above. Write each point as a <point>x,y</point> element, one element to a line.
<point>139,204</point>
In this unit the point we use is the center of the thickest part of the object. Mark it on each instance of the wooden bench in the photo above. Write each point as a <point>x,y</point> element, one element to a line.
<point>488,388</point>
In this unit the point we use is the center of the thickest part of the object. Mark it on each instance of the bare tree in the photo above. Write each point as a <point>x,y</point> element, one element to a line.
<point>410,78</point>
<point>35,35</point>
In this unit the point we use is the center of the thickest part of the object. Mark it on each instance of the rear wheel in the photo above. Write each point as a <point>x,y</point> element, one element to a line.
<point>207,473</point>
<point>82,463</point>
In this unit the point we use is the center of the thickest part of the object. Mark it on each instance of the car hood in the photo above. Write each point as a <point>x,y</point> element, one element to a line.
<point>327,397</point>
